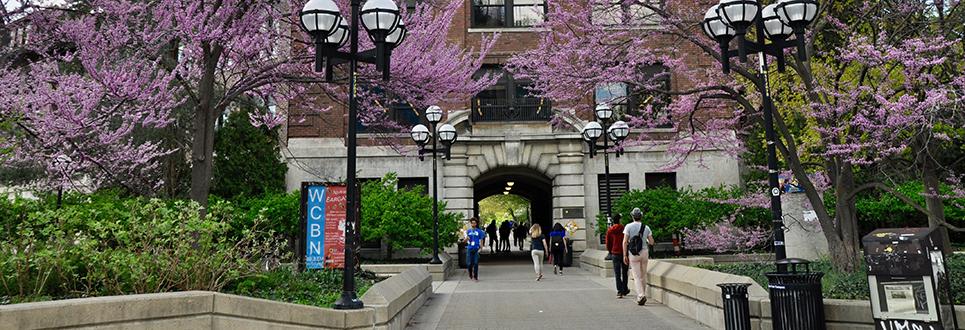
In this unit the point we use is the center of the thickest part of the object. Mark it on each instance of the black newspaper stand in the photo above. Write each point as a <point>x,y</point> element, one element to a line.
<point>908,280</point>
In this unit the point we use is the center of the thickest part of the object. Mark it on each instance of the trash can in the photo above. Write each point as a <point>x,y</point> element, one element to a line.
<point>796,301</point>
<point>462,255</point>
<point>737,314</point>
<point>568,257</point>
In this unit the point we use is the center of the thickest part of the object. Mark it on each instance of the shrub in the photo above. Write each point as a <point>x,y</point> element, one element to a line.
<point>403,217</point>
<point>314,287</point>
<point>247,160</point>
<point>669,211</point>
<point>112,246</point>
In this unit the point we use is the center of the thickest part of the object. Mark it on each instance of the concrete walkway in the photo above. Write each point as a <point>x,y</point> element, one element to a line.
<point>508,297</point>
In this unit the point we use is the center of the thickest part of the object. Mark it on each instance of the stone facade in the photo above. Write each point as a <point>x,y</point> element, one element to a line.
<point>552,160</point>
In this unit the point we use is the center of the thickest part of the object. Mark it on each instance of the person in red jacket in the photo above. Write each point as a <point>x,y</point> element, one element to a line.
<point>614,245</point>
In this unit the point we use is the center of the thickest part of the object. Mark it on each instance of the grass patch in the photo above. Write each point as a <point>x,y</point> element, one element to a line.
<point>320,288</point>
<point>838,285</point>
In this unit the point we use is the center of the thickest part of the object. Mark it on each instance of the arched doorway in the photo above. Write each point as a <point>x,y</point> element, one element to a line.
<point>526,183</point>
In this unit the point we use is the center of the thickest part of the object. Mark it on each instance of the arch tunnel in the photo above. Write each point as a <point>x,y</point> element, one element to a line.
<point>527,183</point>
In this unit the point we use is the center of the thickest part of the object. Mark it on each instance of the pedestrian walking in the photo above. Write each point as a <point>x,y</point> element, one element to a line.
<point>614,245</point>
<point>475,239</point>
<point>537,249</point>
<point>491,232</point>
<point>636,252</point>
<point>558,247</point>
<point>504,229</point>
<point>519,235</point>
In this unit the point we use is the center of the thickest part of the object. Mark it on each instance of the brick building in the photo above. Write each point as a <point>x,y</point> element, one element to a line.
<point>505,136</point>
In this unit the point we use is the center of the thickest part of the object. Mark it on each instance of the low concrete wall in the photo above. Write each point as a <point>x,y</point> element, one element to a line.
<point>389,305</point>
<point>694,292</point>
<point>594,261</point>
<point>439,272</point>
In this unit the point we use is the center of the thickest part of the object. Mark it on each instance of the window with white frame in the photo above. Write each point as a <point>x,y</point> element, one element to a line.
<point>619,13</point>
<point>507,13</point>
<point>649,103</point>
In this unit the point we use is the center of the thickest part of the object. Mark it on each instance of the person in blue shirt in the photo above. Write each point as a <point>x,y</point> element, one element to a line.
<point>558,247</point>
<point>475,239</point>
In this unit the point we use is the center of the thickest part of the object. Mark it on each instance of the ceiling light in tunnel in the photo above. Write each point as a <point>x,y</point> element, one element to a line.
<point>510,183</point>
<point>508,188</point>
<point>505,193</point>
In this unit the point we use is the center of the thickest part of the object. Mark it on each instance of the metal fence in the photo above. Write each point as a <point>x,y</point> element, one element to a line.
<point>521,109</point>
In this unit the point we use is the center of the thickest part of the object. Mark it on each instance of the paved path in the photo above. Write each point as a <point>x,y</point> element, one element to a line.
<point>508,297</point>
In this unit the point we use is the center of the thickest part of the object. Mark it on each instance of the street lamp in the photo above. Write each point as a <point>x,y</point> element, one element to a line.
<point>775,22</point>
<point>615,133</point>
<point>323,21</point>
<point>446,134</point>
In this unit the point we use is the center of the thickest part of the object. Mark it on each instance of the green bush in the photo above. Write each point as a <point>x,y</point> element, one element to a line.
<point>247,159</point>
<point>110,246</point>
<point>281,211</point>
<point>314,287</point>
<point>403,217</point>
<point>837,285</point>
<point>668,210</point>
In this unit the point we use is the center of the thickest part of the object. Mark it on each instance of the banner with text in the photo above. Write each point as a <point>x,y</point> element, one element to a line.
<point>324,226</point>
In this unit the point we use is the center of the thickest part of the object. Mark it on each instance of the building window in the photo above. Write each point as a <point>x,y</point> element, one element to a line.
<point>619,185</point>
<point>661,180</point>
<point>507,13</point>
<point>648,102</point>
<point>508,100</point>
<point>420,183</point>
<point>625,12</point>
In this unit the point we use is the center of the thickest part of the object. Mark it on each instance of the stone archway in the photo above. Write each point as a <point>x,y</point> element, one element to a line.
<point>527,183</point>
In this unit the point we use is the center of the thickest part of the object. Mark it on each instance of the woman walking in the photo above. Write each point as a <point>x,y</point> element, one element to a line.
<point>558,247</point>
<point>537,249</point>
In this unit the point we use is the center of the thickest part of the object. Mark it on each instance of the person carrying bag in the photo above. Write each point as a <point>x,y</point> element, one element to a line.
<point>636,252</point>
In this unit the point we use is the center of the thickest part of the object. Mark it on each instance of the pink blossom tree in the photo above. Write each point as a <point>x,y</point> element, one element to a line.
<point>882,75</point>
<point>201,56</point>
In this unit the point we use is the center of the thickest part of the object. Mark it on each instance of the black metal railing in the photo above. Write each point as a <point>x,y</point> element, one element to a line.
<point>520,109</point>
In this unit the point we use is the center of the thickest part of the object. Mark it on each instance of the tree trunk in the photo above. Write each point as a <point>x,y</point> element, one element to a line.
<point>846,256</point>
<point>933,202</point>
<point>202,144</point>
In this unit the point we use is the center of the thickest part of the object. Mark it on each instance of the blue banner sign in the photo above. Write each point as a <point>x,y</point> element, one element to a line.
<point>315,228</point>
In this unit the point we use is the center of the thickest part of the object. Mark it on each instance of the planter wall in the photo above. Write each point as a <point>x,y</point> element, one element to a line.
<point>694,292</point>
<point>388,305</point>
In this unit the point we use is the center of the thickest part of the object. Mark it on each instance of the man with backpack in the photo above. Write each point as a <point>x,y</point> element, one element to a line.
<point>636,252</point>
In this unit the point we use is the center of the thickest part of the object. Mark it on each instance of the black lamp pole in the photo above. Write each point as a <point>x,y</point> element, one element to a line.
<point>327,56</point>
<point>616,131</point>
<point>435,150</point>
<point>776,22</point>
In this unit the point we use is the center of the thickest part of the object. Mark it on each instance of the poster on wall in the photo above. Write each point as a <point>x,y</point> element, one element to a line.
<point>324,219</point>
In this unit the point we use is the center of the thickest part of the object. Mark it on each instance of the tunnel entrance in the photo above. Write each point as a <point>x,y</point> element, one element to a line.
<point>519,185</point>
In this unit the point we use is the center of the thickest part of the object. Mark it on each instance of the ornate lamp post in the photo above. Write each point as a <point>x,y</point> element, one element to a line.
<point>775,22</point>
<point>323,20</point>
<point>615,133</point>
<point>446,134</point>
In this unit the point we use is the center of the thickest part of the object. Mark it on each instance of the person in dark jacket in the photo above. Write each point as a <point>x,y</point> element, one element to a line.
<point>614,245</point>
<point>558,247</point>
<point>491,232</point>
<point>504,229</point>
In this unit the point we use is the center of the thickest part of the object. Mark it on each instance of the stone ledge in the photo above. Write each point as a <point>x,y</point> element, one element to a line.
<point>390,304</point>
<point>439,272</point>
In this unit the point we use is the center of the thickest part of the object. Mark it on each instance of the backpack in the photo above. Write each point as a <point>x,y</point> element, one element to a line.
<point>636,242</point>
<point>556,242</point>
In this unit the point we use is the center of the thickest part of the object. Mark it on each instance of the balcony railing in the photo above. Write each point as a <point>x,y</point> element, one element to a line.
<point>521,109</point>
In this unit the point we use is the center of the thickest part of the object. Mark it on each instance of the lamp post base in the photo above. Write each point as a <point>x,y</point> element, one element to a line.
<point>348,301</point>
<point>435,260</point>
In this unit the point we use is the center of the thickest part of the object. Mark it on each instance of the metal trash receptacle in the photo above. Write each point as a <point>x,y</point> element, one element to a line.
<point>462,255</point>
<point>796,300</point>
<point>568,256</point>
<point>737,314</point>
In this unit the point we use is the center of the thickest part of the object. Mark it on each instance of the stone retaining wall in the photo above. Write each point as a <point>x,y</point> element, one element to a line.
<point>439,272</point>
<point>694,292</point>
<point>388,305</point>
